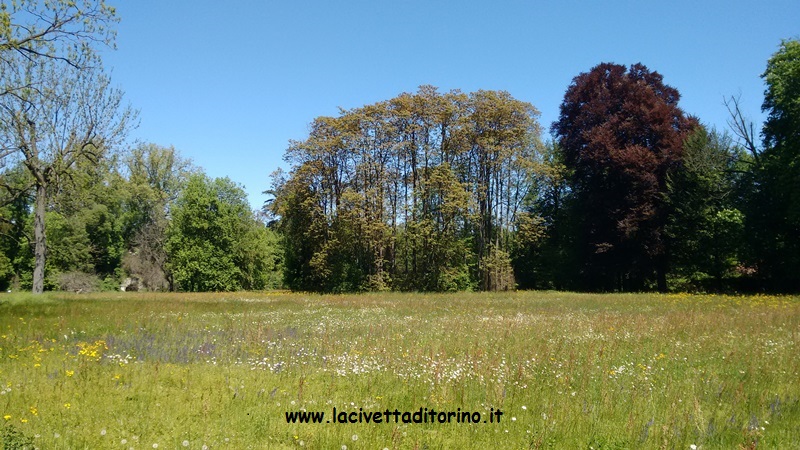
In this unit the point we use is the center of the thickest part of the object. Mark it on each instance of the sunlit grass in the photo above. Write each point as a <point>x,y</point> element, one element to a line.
<point>134,370</point>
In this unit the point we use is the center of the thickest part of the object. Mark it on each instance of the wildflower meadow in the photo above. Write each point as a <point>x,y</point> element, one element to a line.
<point>589,371</point>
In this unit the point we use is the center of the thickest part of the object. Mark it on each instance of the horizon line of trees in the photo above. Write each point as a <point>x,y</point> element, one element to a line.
<point>420,192</point>
<point>428,191</point>
<point>450,191</point>
<point>79,211</point>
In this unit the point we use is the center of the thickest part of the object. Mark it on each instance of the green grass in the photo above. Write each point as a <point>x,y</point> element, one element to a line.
<point>574,371</point>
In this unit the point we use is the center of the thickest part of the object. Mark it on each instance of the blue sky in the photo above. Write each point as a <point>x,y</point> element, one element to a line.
<point>230,83</point>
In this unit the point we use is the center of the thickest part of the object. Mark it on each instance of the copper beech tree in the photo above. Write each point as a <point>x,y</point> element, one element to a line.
<point>621,132</point>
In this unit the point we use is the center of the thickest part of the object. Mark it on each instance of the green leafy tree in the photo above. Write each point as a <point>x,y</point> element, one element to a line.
<point>446,248</point>
<point>84,221</point>
<point>420,192</point>
<point>542,253</point>
<point>60,30</point>
<point>705,226</point>
<point>502,134</point>
<point>15,225</point>
<point>155,177</point>
<point>91,197</point>
<point>774,212</point>
<point>57,104</point>
<point>304,228</point>
<point>214,243</point>
<point>53,129</point>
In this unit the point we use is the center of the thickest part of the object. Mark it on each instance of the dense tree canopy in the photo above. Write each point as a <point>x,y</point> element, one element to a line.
<point>428,191</point>
<point>140,215</point>
<point>419,192</point>
<point>774,213</point>
<point>156,176</point>
<point>56,104</point>
<point>621,132</point>
<point>705,227</point>
<point>214,243</point>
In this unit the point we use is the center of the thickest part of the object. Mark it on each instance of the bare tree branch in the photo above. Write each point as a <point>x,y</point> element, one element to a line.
<point>742,127</point>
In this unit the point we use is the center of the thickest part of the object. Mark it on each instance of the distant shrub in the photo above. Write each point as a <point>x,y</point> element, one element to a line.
<point>78,282</point>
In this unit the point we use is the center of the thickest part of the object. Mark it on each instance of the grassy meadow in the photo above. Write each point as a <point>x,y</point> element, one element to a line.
<point>573,371</point>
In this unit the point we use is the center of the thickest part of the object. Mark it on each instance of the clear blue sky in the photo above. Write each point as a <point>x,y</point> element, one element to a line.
<point>230,83</point>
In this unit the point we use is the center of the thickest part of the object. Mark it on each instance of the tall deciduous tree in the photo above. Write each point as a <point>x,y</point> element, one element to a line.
<point>541,251</point>
<point>57,106</point>
<point>498,131</point>
<point>214,243</point>
<point>774,211</point>
<point>65,117</point>
<point>156,176</point>
<point>419,192</point>
<point>621,132</point>
<point>59,32</point>
<point>705,225</point>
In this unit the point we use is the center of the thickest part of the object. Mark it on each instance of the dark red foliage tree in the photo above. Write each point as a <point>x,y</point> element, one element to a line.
<point>621,132</point>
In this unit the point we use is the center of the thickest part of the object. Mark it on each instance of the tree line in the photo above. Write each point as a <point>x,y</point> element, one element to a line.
<point>428,191</point>
<point>81,211</point>
<point>421,192</point>
<point>450,191</point>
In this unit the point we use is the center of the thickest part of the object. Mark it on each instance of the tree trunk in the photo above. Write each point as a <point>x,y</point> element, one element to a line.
<point>40,242</point>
